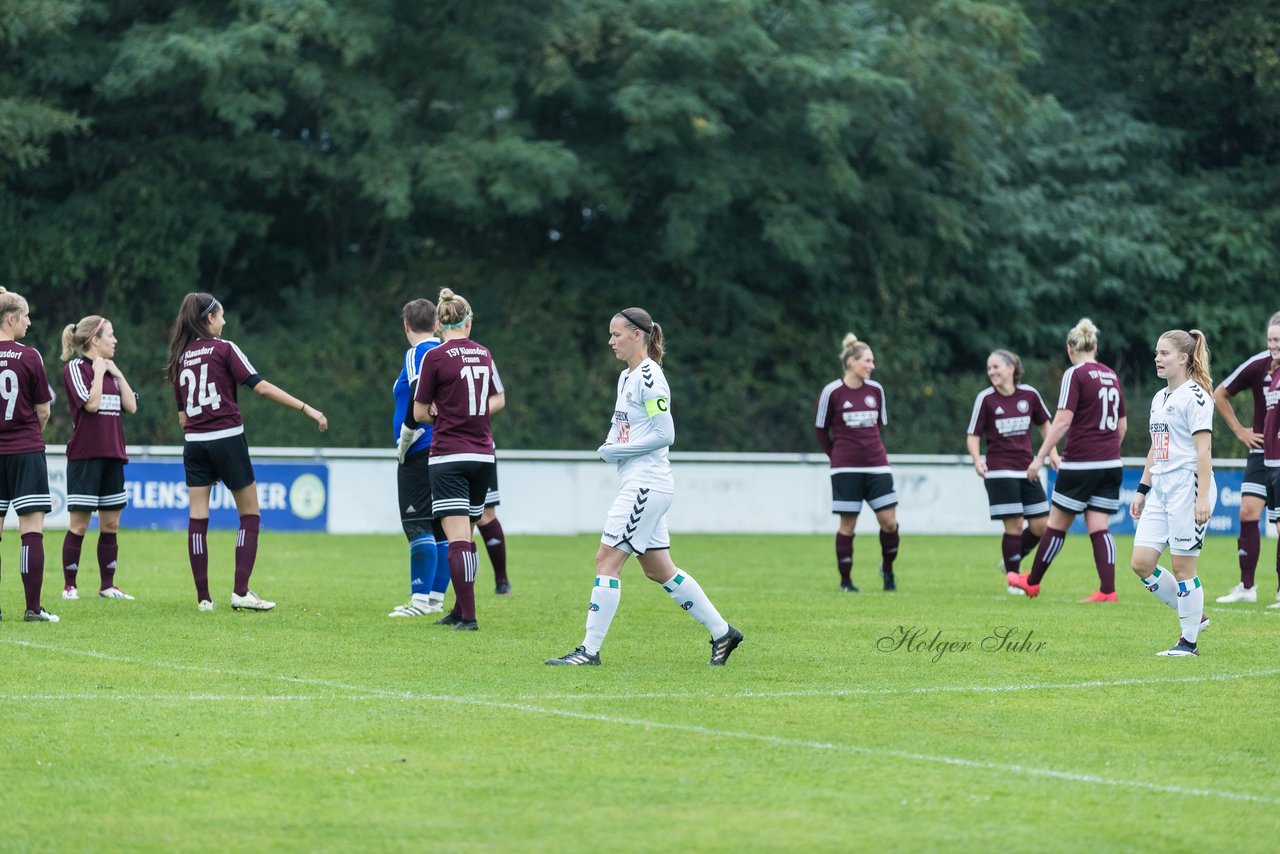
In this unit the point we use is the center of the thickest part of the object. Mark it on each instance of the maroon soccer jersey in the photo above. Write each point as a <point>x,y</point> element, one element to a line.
<point>458,377</point>
<point>94,435</point>
<point>852,417</point>
<point>23,385</point>
<point>1091,391</point>
<point>1271,422</point>
<point>1253,374</point>
<point>209,375</point>
<point>1005,422</point>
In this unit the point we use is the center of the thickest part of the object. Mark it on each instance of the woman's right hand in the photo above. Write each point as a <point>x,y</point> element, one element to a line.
<point>980,466</point>
<point>1135,506</point>
<point>1249,438</point>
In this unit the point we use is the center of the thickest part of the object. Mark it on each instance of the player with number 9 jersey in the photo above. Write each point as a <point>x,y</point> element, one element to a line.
<point>24,475</point>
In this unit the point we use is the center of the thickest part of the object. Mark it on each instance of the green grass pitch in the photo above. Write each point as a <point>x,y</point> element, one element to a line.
<point>326,726</point>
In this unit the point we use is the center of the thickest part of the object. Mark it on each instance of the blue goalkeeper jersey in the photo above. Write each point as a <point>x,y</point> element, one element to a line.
<point>403,391</point>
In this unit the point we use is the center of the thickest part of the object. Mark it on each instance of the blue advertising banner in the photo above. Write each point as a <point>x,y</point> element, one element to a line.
<point>1225,518</point>
<point>291,497</point>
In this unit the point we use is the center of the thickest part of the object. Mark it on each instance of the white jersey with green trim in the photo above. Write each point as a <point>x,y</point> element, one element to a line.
<point>1176,416</point>
<point>642,429</point>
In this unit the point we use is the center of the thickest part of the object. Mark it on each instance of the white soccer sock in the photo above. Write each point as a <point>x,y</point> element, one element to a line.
<point>421,599</point>
<point>1190,607</point>
<point>1164,585</point>
<point>605,596</point>
<point>687,593</point>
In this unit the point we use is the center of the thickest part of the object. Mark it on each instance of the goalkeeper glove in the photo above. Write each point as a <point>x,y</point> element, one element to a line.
<point>408,435</point>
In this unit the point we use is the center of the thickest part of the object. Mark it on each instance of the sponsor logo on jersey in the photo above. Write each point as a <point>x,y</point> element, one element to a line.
<point>1014,425</point>
<point>861,418</point>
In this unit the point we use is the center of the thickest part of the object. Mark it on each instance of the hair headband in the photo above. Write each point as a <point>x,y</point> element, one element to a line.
<point>213,303</point>
<point>97,328</point>
<point>460,323</point>
<point>637,324</point>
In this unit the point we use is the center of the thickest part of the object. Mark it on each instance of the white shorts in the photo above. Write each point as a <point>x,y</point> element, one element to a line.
<point>638,520</point>
<point>1169,516</point>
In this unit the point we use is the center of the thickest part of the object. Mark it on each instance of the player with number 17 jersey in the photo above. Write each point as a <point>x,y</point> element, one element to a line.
<point>210,373</point>
<point>459,377</point>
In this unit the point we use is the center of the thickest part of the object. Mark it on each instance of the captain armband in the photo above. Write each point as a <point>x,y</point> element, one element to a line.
<point>657,406</point>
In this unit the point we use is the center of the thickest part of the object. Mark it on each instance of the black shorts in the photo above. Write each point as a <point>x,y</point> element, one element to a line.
<point>1273,494</point>
<point>458,488</point>
<point>850,488</point>
<point>492,498</point>
<point>96,484</point>
<point>413,487</point>
<point>24,484</point>
<point>225,460</point>
<point>1016,496</point>
<point>1255,477</point>
<point>1094,489</point>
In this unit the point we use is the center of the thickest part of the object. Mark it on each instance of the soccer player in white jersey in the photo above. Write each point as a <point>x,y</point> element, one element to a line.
<point>1175,498</point>
<point>640,434</point>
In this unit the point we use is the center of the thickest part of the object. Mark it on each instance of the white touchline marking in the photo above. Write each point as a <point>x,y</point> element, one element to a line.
<point>934,689</point>
<point>886,752</point>
<point>370,693</point>
<point>107,694</point>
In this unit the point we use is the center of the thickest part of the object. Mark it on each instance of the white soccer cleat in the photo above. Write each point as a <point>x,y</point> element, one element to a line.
<point>114,593</point>
<point>250,602</point>
<point>205,606</point>
<point>416,609</point>
<point>1016,591</point>
<point>1239,593</point>
<point>1275,604</point>
<point>70,592</point>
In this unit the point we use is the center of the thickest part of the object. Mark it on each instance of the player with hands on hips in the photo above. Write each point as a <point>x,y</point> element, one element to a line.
<point>1176,495</point>
<point>1254,375</point>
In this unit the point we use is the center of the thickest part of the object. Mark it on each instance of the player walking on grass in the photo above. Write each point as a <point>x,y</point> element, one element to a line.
<point>640,434</point>
<point>851,411</point>
<point>24,472</point>
<point>1254,374</point>
<point>458,389</point>
<point>1176,495</point>
<point>1003,415</point>
<point>1091,416</point>
<point>98,395</point>
<point>206,372</point>
<point>428,549</point>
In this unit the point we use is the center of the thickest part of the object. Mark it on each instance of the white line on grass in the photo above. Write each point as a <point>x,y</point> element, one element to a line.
<point>931,689</point>
<point>886,752</point>
<point>780,741</point>
<point>168,698</point>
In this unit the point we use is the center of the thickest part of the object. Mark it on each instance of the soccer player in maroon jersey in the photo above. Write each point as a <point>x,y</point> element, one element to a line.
<point>98,395</point>
<point>24,474</point>
<point>1271,437</point>
<point>1003,414</point>
<point>1091,415</point>
<point>851,411</point>
<point>1253,374</point>
<point>458,389</point>
<point>206,372</point>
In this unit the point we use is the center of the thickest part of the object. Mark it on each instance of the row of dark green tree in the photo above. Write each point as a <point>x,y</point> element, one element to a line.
<point>939,176</point>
